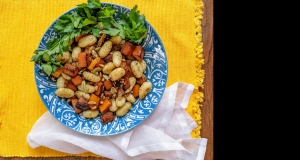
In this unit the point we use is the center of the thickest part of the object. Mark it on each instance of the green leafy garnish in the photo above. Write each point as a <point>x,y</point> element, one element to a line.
<point>90,18</point>
<point>131,26</point>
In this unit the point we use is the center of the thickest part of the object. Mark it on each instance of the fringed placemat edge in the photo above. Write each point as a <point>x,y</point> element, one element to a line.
<point>198,96</point>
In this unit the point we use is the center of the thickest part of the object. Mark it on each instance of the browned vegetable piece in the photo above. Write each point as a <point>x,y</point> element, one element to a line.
<point>99,89</point>
<point>88,58</point>
<point>57,73</point>
<point>107,117</point>
<point>93,63</point>
<point>128,72</point>
<point>107,94</point>
<point>95,99</point>
<point>126,83</point>
<point>123,65</point>
<point>127,48</point>
<point>69,84</point>
<point>141,80</point>
<point>130,58</point>
<point>104,107</point>
<point>70,70</point>
<point>138,53</point>
<point>101,63</point>
<point>135,90</point>
<point>116,47</point>
<point>82,60</point>
<point>82,104</point>
<point>74,101</point>
<point>101,40</point>
<point>108,58</point>
<point>107,84</point>
<point>76,80</point>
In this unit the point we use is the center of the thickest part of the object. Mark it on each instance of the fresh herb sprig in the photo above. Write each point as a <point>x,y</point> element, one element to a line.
<point>92,18</point>
<point>131,26</point>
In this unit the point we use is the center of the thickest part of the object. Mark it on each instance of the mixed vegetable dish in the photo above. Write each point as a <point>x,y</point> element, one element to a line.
<point>97,62</point>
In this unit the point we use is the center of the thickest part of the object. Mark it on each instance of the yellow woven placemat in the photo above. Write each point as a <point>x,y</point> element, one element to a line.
<point>23,23</point>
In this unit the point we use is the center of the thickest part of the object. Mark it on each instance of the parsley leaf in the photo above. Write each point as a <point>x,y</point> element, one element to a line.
<point>131,27</point>
<point>46,67</point>
<point>92,18</point>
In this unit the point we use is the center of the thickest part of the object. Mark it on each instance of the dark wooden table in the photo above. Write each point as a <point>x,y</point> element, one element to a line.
<point>208,104</point>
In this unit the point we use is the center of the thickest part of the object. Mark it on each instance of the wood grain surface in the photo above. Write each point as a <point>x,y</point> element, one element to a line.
<point>207,109</point>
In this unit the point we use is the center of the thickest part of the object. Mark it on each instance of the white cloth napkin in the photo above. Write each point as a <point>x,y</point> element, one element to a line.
<point>165,134</point>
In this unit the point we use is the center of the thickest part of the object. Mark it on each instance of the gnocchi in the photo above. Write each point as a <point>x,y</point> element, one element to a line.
<point>108,67</point>
<point>64,57</point>
<point>90,76</point>
<point>120,101</point>
<point>76,50</point>
<point>132,82</point>
<point>60,83</point>
<point>144,89</point>
<point>116,39</point>
<point>105,49</point>
<point>117,58</point>
<point>130,98</point>
<point>101,87</point>
<point>87,88</point>
<point>124,109</point>
<point>64,92</point>
<point>90,113</point>
<point>113,106</point>
<point>82,94</point>
<point>116,74</point>
<point>136,68</point>
<point>87,41</point>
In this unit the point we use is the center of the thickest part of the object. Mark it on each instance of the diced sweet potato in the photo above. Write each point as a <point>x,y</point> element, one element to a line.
<point>77,80</point>
<point>138,52</point>
<point>107,117</point>
<point>104,107</point>
<point>57,73</point>
<point>96,99</point>
<point>99,89</point>
<point>107,84</point>
<point>127,48</point>
<point>82,60</point>
<point>69,84</point>
<point>93,63</point>
<point>70,70</point>
<point>135,90</point>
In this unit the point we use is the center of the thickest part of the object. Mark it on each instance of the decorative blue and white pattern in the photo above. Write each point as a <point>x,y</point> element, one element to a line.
<point>156,72</point>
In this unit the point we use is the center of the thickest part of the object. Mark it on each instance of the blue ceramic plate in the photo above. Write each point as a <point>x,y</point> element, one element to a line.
<point>156,72</point>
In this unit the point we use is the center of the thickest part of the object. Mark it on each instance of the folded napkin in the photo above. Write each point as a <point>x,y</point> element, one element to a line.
<point>165,134</point>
